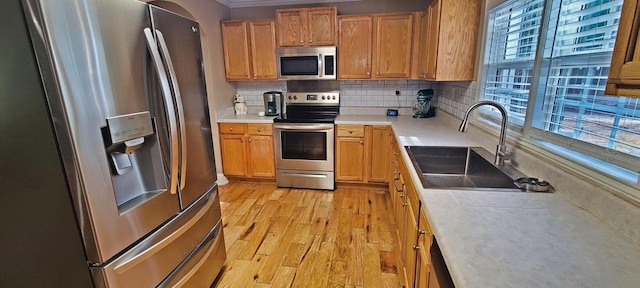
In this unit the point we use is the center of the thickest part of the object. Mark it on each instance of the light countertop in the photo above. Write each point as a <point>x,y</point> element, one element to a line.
<point>512,239</point>
<point>246,118</point>
<point>508,239</point>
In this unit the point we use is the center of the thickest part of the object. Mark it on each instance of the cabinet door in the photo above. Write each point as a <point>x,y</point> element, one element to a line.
<point>432,38</point>
<point>624,74</point>
<point>233,154</point>
<point>355,41</point>
<point>392,51</point>
<point>322,26</point>
<point>423,263</point>
<point>422,268</point>
<point>410,244</point>
<point>349,159</point>
<point>261,157</point>
<point>377,152</point>
<point>291,24</point>
<point>263,49</point>
<point>236,50</point>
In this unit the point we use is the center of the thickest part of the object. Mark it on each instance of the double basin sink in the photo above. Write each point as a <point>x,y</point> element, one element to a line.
<point>462,168</point>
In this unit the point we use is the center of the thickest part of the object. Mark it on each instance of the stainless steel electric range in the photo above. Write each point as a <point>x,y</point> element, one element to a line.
<point>304,144</point>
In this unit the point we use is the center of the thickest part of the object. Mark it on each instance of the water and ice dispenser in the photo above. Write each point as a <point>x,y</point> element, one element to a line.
<point>133,150</point>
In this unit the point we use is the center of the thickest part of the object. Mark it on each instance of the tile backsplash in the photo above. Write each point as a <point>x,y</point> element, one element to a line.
<point>353,93</point>
<point>456,97</point>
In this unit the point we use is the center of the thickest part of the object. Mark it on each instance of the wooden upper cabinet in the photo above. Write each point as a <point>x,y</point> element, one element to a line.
<point>306,26</point>
<point>355,41</point>
<point>291,27</point>
<point>448,40</point>
<point>249,49</point>
<point>624,73</point>
<point>322,26</point>
<point>393,42</point>
<point>235,47</point>
<point>428,51</point>
<point>263,47</point>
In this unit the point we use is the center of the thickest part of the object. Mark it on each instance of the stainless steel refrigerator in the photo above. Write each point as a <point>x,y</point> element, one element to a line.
<point>123,119</point>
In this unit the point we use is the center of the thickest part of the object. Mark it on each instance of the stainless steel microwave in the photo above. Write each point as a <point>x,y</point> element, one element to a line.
<point>307,63</point>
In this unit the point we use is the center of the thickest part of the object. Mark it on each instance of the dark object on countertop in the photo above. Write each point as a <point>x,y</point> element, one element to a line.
<point>392,112</point>
<point>423,107</point>
<point>429,114</point>
<point>532,184</point>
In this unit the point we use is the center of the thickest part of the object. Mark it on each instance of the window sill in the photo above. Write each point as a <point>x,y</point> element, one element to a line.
<point>621,182</point>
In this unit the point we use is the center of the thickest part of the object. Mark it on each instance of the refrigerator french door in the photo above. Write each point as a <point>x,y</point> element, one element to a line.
<point>125,87</point>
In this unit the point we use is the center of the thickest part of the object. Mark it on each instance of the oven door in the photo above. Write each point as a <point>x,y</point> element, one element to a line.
<point>307,146</point>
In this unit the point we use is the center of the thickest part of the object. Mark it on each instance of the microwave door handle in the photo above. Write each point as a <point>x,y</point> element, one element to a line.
<point>178,98</point>
<point>166,94</point>
<point>320,66</point>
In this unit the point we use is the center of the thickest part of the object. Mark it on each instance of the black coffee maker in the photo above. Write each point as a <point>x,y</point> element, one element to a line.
<point>272,103</point>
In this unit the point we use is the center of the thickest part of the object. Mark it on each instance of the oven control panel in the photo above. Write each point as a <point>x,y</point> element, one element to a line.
<point>312,97</point>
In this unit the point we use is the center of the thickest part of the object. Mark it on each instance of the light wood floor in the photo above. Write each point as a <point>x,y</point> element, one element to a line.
<point>279,237</point>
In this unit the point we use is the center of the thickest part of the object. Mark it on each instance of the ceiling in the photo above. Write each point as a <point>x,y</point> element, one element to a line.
<point>255,3</point>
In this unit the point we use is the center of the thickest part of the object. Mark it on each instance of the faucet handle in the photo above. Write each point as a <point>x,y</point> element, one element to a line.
<point>502,154</point>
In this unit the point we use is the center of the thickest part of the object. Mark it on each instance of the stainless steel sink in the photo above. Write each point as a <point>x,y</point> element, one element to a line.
<point>461,168</point>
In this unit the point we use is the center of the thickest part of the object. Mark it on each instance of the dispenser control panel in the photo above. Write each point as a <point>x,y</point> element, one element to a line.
<point>130,126</point>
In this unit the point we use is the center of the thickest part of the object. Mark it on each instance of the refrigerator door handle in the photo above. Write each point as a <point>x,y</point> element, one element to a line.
<point>166,92</point>
<point>178,98</point>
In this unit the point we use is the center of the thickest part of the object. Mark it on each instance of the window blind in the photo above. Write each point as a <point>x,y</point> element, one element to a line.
<point>512,40</point>
<point>577,65</point>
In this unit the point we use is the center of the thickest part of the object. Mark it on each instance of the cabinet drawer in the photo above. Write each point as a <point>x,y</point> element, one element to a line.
<point>259,129</point>
<point>350,130</point>
<point>232,128</point>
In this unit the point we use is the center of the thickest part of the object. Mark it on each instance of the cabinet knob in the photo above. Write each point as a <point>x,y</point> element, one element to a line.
<point>310,41</point>
<point>416,247</point>
<point>241,141</point>
<point>361,142</point>
<point>368,73</point>
<point>422,232</point>
<point>404,204</point>
<point>350,131</point>
<point>377,73</point>
<point>259,129</point>
<point>249,139</point>
<point>302,41</point>
<point>231,129</point>
<point>255,75</point>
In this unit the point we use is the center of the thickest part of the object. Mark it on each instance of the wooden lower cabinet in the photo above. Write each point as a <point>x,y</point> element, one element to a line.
<point>349,159</point>
<point>261,157</point>
<point>234,155</point>
<point>362,153</point>
<point>416,267</point>
<point>247,150</point>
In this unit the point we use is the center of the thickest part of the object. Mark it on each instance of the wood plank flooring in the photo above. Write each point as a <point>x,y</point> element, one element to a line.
<point>277,237</point>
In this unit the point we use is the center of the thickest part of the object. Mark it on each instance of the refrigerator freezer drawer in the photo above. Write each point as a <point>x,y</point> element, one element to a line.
<point>149,262</point>
<point>203,265</point>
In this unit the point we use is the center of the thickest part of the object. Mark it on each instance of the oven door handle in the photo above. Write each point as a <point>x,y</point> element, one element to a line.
<point>305,128</point>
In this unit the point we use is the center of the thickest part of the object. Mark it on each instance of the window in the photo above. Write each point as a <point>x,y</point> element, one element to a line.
<point>551,77</point>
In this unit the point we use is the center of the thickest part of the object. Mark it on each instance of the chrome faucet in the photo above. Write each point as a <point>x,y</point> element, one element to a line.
<point>501,150</point>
